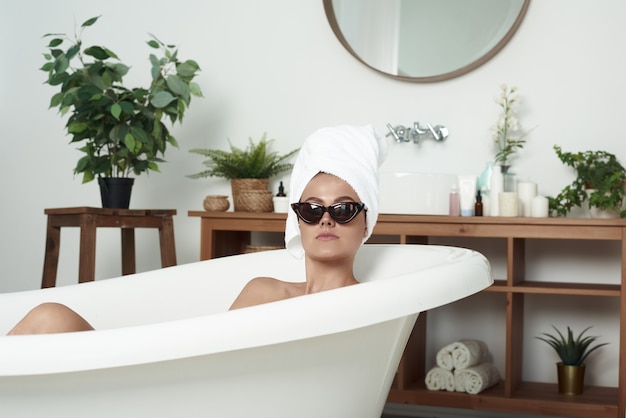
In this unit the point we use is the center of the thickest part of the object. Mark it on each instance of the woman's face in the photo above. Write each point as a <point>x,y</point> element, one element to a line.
<point>328,239</point>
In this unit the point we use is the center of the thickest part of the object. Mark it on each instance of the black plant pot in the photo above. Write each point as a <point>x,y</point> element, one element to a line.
<point>115,191</point>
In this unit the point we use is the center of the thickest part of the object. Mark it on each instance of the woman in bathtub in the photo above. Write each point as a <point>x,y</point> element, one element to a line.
<point>334,187</point>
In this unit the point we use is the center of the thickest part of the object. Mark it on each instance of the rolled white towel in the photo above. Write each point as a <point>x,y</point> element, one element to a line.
<point>439,379</point>
<point>462,354</point>
<point>476,379</point>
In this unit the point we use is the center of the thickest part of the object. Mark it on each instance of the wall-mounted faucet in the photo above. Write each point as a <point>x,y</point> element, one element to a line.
<point>402,133</point>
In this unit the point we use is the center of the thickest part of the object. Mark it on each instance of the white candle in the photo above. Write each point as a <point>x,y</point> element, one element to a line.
<point>539,207</point>
<point>281,204</point>
<point>508,203</point>
<point>497,185</point>
<point>526,190</point>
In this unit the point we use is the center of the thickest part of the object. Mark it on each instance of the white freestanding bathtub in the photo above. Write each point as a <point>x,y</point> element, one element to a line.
<point>166,346</point>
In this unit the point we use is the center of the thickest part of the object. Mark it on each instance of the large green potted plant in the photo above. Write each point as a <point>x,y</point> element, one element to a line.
<point>120,129</point>
<point>599,180</point>
<point>248,170</point>
<point>573,352</point>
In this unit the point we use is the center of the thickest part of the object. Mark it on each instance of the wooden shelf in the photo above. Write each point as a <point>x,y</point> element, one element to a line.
<point>551,288</point>
<point>224,233</point>
<point>529,398</point>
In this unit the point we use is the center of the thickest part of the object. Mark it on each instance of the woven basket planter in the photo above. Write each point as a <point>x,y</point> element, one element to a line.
<point>216,203</point>
<point>252,195</point>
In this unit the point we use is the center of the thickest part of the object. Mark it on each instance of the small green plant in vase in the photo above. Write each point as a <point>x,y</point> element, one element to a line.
<point>248,170</point>
<point>507,134</point>
<point>573,352</point>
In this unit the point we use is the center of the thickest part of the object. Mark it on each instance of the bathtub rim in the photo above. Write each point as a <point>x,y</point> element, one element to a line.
<point>91,350</point>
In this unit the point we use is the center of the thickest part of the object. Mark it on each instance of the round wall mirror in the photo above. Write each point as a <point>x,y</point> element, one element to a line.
<point>424,40</point>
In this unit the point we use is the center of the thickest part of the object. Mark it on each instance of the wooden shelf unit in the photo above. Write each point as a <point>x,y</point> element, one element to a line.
<point>224,233</point>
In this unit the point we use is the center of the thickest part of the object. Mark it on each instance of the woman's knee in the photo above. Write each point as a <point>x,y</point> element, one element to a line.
<point>51,317</point>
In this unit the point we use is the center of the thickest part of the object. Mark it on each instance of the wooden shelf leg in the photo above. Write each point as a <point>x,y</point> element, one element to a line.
<point>168,245</point>
<point>51,258</point>
<point>128,251</point>
<point>87,262</point>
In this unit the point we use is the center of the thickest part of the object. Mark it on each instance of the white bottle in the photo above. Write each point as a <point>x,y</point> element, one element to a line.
<point>497,185</point>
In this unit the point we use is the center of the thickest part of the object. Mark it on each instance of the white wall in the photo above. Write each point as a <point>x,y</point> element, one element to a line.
<point>276,66</point>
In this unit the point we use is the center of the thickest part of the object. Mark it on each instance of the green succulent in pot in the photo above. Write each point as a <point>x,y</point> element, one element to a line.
<point>572,351</point>
<point>121,130</point>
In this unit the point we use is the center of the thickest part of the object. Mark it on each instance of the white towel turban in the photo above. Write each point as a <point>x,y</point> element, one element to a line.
<point>352,153</point>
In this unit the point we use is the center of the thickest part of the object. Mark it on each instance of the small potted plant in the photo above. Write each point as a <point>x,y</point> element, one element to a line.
<point>248,170</point>
<point>573,352</point>
<point>121,129</point>
<point>507,134</point>
<point>599,180</point>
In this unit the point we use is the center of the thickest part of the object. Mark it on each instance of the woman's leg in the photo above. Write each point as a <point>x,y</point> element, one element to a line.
<point>50,318</point>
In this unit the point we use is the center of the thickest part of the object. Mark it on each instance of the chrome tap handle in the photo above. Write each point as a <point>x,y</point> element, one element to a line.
<point>398,133</point>
<point>416,132</point>
<point>439,132</point>
<point>403,134</point>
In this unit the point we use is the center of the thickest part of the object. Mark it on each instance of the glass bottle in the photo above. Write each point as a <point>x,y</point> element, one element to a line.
<point>455,204</point>
<point>478,206</point>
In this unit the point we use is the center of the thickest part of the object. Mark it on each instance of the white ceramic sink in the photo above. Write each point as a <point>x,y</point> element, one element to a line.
<point>415,193</point>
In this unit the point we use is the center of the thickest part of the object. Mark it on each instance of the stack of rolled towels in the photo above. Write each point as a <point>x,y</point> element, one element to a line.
<point>461,367</point>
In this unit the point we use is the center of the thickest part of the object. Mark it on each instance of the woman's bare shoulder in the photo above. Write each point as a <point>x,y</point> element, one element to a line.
<point>264,290</point>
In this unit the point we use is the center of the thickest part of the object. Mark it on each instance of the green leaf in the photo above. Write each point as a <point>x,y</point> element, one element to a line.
<point>140,135</point>
<point>153,44</point>
<point>56,99</point>
<point>55,42</point>
<point>161,99</point>
<point>110,53</point>
<point>72,51</point>
<point>177,85</point>
<point>107,80</point>
<point>154,61</point>
<point>127,107</point>
<point>75,128</point>
<point>116,110</point>
<point>82,164</point>
<point>130,142</point>
<point>194,88</point>
<point>187,68</point>
<point>90,22</point>
<point>119,69</point>
<point>155,71</point>
<point>97,52</point>
<point>172,141</point>
<point>47,66</point>
<point>88,176</point>
<point>61,64</point>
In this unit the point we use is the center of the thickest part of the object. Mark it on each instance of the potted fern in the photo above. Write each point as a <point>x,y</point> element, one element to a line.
<point>599,180</point>
<point>120,129</point>
<point>248,170</point>
<point>573,352</point>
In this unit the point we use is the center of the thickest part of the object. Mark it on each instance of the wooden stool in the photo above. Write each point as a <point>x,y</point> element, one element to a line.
<point>88,219</point>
